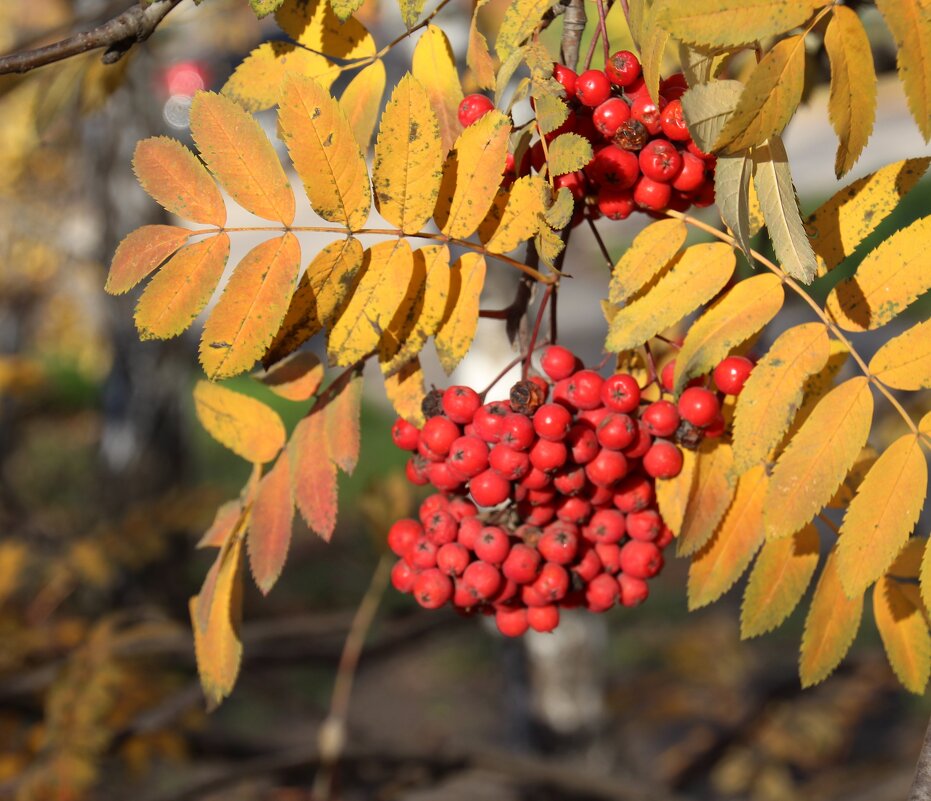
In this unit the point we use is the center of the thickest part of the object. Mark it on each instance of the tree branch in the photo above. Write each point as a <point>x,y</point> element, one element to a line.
<point>116,37</point>
<point>921,787</point>
<point>573,26</point>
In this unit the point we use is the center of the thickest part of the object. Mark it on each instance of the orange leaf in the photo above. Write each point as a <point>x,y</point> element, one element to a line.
<point>182,288</point>
<point>245,425</point>
<point>224,523</point>
<point>177,180</point>
<point>405,390</point>
<point>342,421</point>
<point>295,378</point>
<point>313,474</point>
<point>140,253</point>
<point>270,526</point>
<point>239,154</point>
<point>904,632</point>
<point>251,308</point>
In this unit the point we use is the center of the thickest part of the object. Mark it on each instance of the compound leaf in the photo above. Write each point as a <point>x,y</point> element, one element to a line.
<point>256,83</point>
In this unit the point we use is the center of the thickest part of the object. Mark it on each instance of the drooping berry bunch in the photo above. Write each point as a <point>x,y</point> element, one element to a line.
<point>644,156</point>
<point>547,502</point>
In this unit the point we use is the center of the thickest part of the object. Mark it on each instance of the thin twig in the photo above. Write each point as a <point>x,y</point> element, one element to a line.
<point>603,26</point>
<point>116,37</point>
<point>536,330</point>
<point>601,244</point>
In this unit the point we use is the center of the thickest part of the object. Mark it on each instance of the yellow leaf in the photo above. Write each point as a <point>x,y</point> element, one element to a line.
<point>182,288</point>
<point>478,58</point>
<point>568,152</point>
<point>313,24</point>
<point>408,162</point>
<point>830,627</point>
<point>217,646</point>
<point>454,337</point>
<point>177,180</point>
<point>652,48</point>
<point>481,152</point>
<point>818,457</point>
<point>924,576</point>
<point>904,362</point>
<point>882,514</point>
<point>238,153</point>
<point>426,312</point>
<point>251,308</point>
<point>549,245</point>
<point>887,281</point>
<point>560,213</point>
<point>854,478</point>
<point>323,289</point>
<point>405,390</point>
<point>387,269</point>
<point>228,519</point>
<point>141,252</point>
<point>361,100</point>
<point>256,83</point>
<point>551,112</point>
<point>852,104</point>
<point>779,206</point>
<point>247,427</point>
<point>712,492</point>
<point>841,224</point>
<point>779,578</point>
<point>769,99</point>
<point>672,494</point>
<point>904,632</point>
<point>652,249</point>
<point>295,378</point>
<point>434,66</point>
<point>924,425</point>
<point>910,23</point>
<point>325,153</point>
<point>816,387</point>
<point>698,275</point>
<point>522,215</point>
<point>345,8</point>
<point>716,567</point>
<point>410,11</point>
<point>707,107</point>
<point>738,315</point>
<point>736,22</point>
<point>520,20</point>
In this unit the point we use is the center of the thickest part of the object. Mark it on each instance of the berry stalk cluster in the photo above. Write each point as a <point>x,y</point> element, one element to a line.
<point>644,157</point>
<point>547,502</point>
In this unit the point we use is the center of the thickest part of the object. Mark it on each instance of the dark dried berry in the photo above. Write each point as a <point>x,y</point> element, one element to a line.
<point>432,404</point>
<point>689,436</point>
<point>631,135</point>
<point>526,397</point>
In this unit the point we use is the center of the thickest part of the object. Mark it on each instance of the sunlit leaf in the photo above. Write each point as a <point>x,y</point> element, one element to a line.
<point>342,421</point>
<point>270,524</point>
<point>522,216</point>
<point>313,474</point>
<point>141,252</point>
<point>672,494</point>
<point>361,100</point>
<point>246,426</point>
<point>256,83</point>
<point>711,22</point>
<point>910,23</point>
<point>651,251</point>
<point>295,378</point>
<point>405,390</point>
<point>454,337</point>
<point>568,152</point>
<point>712,493</point>
<point>520,20</point>
<point>314,25</point>
<point>434,65</point>
<point>904,362</point>
<point>904,632</point>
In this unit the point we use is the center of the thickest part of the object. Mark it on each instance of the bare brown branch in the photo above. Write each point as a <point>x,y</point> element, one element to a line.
<point>573,25</point>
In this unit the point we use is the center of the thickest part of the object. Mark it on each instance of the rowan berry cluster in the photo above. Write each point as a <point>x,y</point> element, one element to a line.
<point>644,156</point>
<point>547,501</point>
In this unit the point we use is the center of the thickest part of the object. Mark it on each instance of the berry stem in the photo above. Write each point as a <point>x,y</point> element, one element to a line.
<point>601,244</point>
<point>536,330</point>
<point>832,327</point>
<point>510,366</point>
<point>603,27</point>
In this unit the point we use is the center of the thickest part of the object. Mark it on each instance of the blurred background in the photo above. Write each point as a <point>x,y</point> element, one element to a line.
<point>107,482</point>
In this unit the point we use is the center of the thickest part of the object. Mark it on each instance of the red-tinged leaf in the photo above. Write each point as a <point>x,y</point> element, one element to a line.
<point>224,523</point>
<point>251,308</point>
<point>240,155</point>
<point>295,378</point>
<point>313,474</point>
<point>342,421</point>
<point>271,523</point>
<point>178,181</point>
<point>140,253</point>
<point>182,288</point>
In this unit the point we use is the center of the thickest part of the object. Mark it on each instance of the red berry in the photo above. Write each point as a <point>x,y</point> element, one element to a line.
<point>731,374</point>
<point>616,204</point>
<point>607,468</point>
<point>601,593</point>
<point>661,418</point>
<point>415,470</point>
<point>606,525</point>
<point>594,417</point>
<point>443,477</point>
<point>452,558</point>
<point>403,576</point>
<point>548,456</point>
<point>440,528</point>
<point>660,160</point>
<point>482,580</point>
<point>592,88</point>
<point>634,591</point>
<point>511,621</point>
<point>623,68</point>
<point>522,564</point>
<point>599,497</point>
<point>536,514</point>
<point>574,509</point>
<point>704,195</point>
<point>633,493</point>
<point>699,406</point>
<point>509,463</point>
<point>589,565</point>
<point>610,555</point>
<point>470,529</point>
<point>569,480</point>
<point>645,526</point>
<point>543,618</point>
<point>403,534</point>
<point>559,543</point>
<point>716,429</point>
<point>640,445</point>
<point>584,391</point>
<point>645,111</point>
<point>652,195</point>
<point>438,434</point>
<point>552,421</point>
<point>517,432</point>
<point>574,182</point>
<point>695,150</point>
<point>620,393</point>
<point>692,174</point>
<point>617,431</point>
<point>641,559</point>
<point>553,582</point>
<point>667,375</point>
<point>663,460</point>
<point>675,81</point>
<point>460,404</point>
<point>489,420</point>
<point>636,89</point>
<point>422,554</point>
<point>566,77</point>
<point>613,166</point>
<point>610,115</point>
<point>492,545</point>
<point>558,362</point>
<point>468,456</point>
<point>405,435</point>
<point>673,123</point>
<point>489,489</point>
<point>536,479</point>
<point>473,108</point>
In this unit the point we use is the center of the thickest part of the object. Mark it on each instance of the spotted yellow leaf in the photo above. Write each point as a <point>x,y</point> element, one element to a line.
<point>256,83</point>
